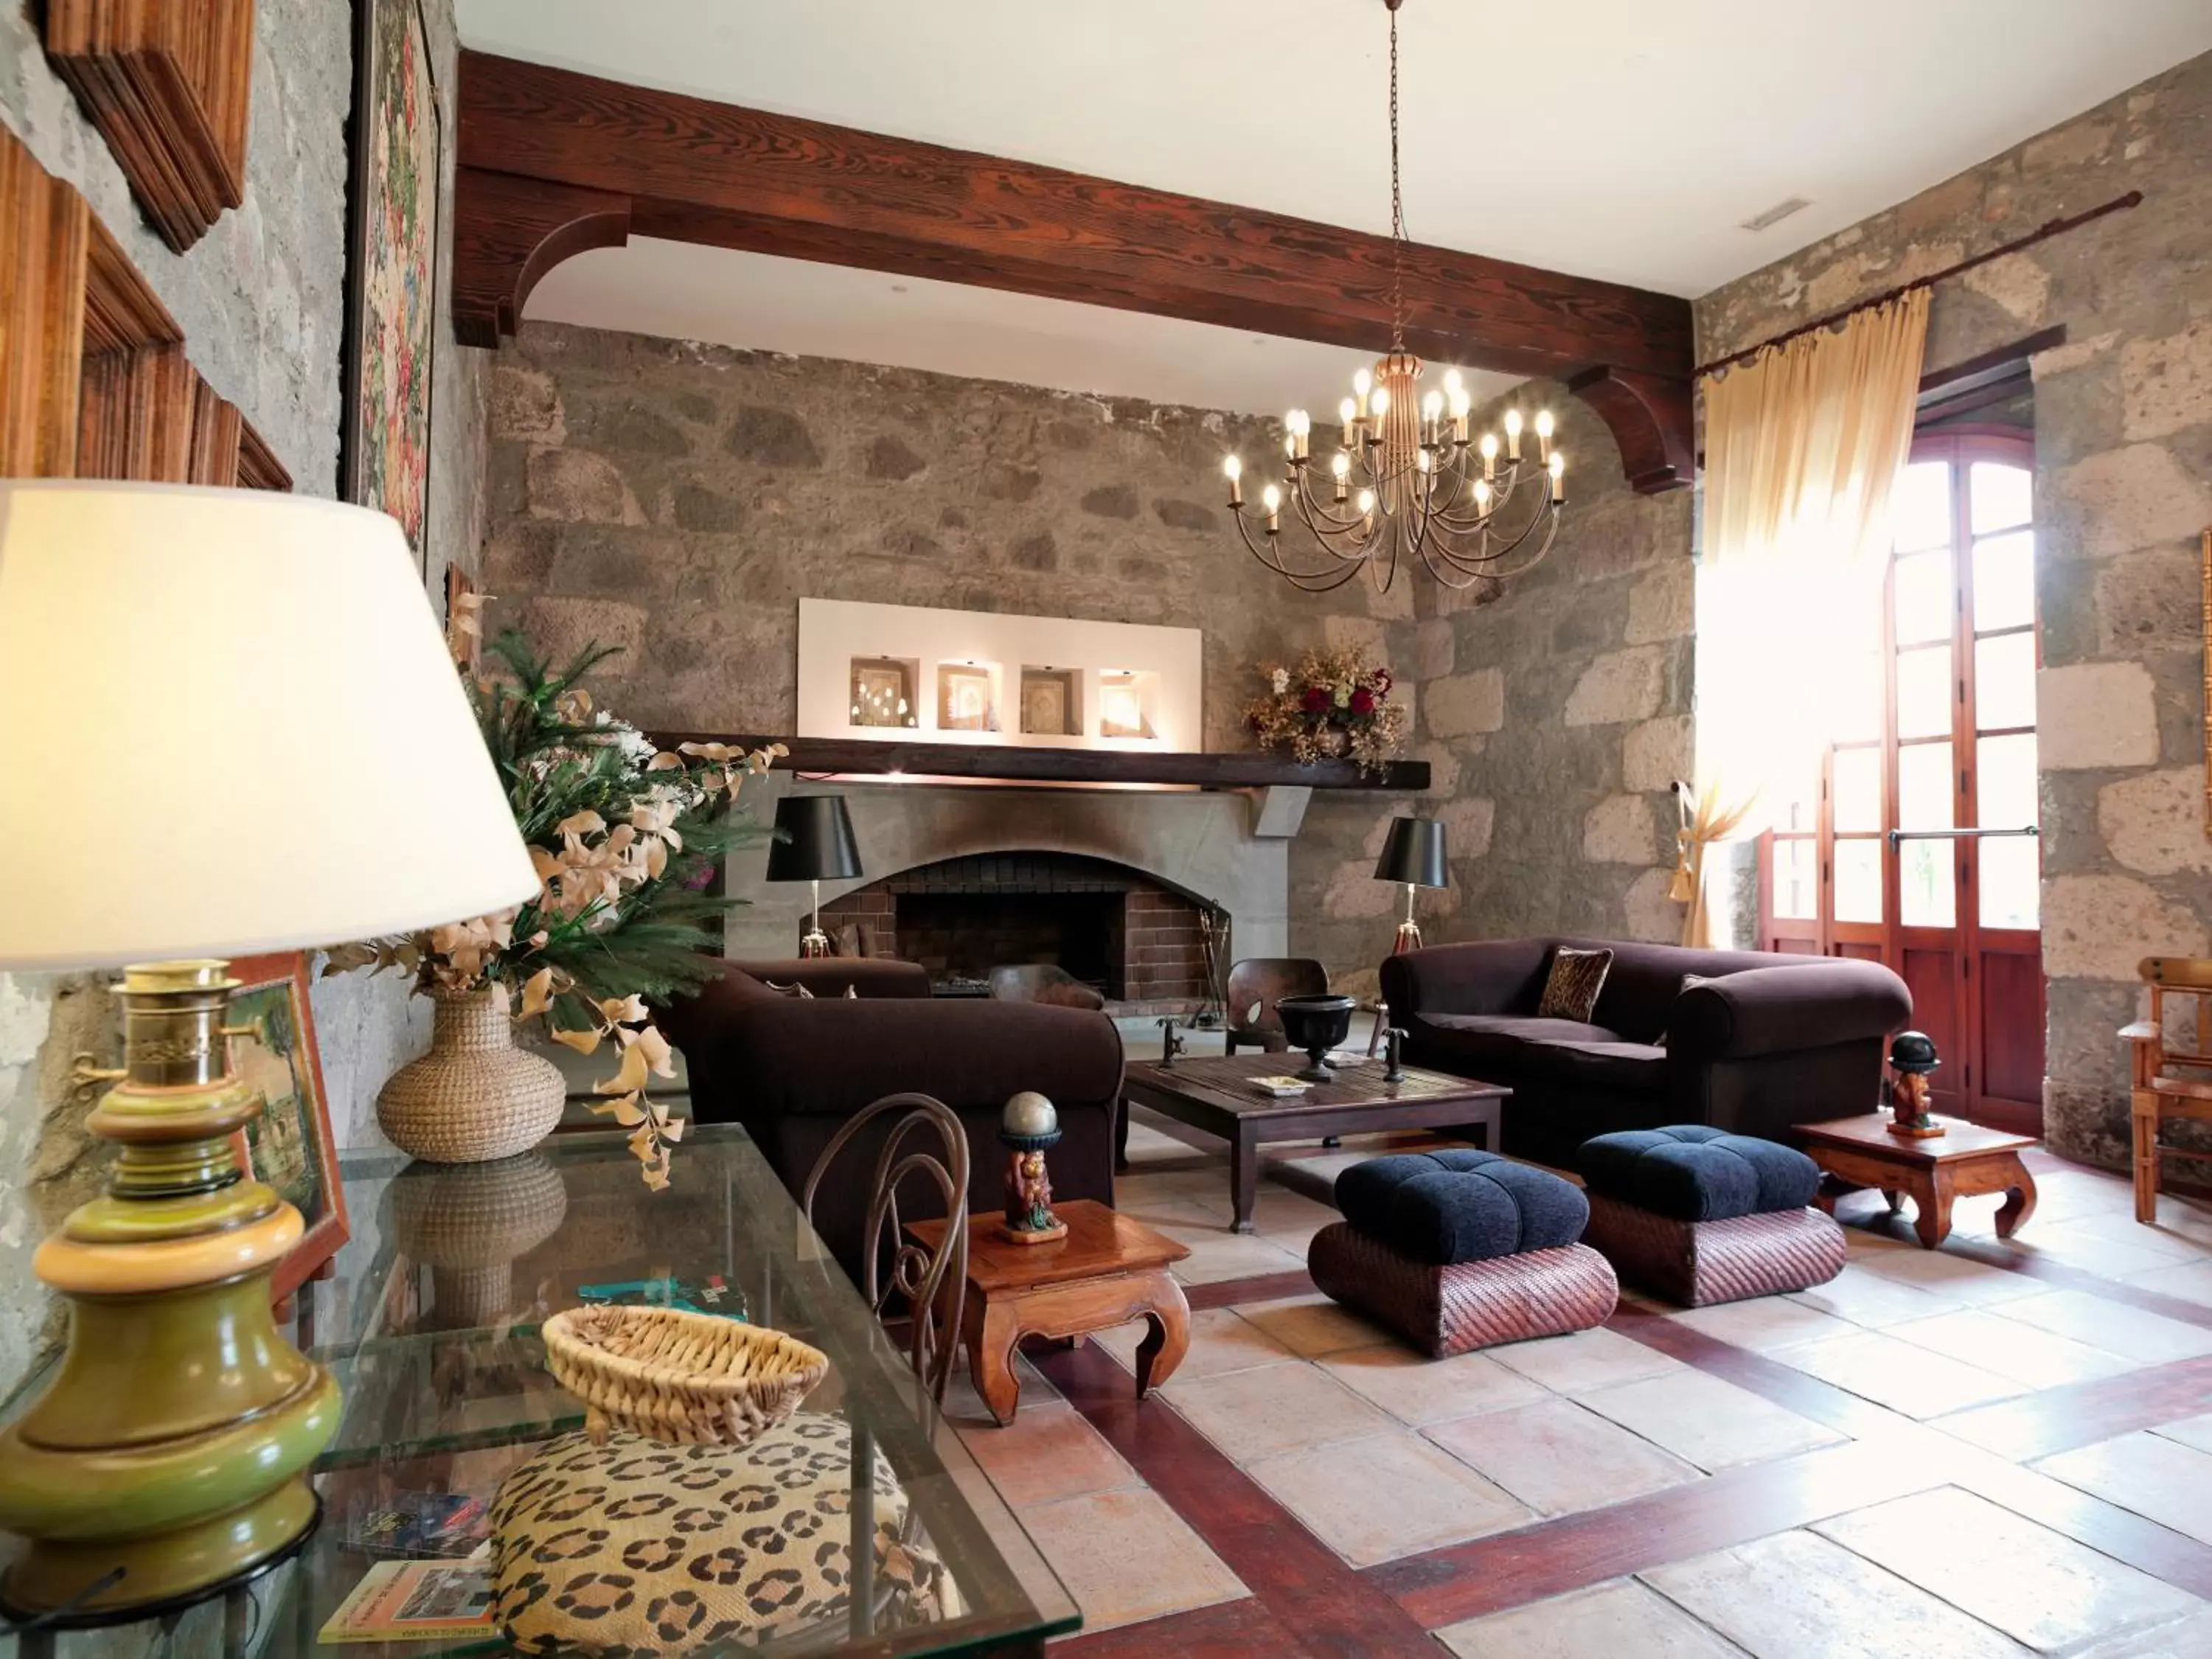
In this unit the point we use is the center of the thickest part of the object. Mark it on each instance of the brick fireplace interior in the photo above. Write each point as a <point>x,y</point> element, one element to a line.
<point>1139,942</point>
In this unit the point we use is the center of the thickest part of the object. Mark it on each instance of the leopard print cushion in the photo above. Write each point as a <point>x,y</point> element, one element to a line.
<point>1571,988</point>
<point>636,1548</point>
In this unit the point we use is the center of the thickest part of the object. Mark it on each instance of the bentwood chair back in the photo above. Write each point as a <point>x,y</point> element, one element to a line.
<point>1255,985</point>
<point>930,1284</point>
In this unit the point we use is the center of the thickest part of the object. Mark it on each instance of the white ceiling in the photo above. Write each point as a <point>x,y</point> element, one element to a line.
<point>1621,139</point>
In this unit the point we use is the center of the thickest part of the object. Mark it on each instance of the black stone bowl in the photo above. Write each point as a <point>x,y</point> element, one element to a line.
<point>1316,1025</point>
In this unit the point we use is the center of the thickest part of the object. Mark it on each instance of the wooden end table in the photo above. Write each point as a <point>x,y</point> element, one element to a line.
<point>1108,1271</point>
<point>1965,1160</point>
<point>1216,1095</point>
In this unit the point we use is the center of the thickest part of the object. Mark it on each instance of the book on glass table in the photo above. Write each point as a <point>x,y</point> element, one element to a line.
<point>416,1601</point>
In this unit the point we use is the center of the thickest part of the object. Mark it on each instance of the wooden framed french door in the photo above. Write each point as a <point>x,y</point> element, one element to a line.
<point>1917,844</point>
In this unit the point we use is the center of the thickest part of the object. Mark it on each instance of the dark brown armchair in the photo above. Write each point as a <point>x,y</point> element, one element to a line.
<point>794,1070</point>
<point>1255,986</point>
<point>1043,981</point>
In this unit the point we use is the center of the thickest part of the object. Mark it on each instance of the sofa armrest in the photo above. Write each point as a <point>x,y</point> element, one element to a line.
<point>828,976</point>
<point>830,1056</point>
<point>1768,1011</point>
<point>1486,976</point>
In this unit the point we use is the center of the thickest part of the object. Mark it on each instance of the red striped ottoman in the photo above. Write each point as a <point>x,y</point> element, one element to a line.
<point>1460,1249</point>
<point>1699,1216</point>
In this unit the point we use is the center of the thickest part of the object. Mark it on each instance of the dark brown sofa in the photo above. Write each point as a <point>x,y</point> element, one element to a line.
<point>1779,1040</point>
<point>791,1070</point>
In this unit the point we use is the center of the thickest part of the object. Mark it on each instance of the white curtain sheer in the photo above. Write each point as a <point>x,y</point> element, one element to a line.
<point>1802,446</point>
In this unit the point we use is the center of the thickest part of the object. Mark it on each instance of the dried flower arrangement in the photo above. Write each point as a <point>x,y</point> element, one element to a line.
<point>1331,704</point>
<point>625,838</point>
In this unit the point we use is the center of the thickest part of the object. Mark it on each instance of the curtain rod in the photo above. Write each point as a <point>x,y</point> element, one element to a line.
<point>2041,232</point>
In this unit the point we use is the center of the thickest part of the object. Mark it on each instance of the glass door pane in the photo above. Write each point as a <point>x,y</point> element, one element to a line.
<point>1858,879</point>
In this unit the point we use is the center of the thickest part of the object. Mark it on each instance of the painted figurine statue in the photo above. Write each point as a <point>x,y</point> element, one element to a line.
<point>1912,1057</point>
<point>1027,1126</point>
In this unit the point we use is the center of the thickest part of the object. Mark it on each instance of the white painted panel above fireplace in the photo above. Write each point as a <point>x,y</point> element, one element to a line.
<point>1150,676</point>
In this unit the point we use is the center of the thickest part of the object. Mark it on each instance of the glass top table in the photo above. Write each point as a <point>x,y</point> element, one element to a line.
<point>429,1322</point>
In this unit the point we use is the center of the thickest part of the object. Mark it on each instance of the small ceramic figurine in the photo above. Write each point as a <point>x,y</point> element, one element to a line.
<point>1029,1124</point>
<point>1912,1057</point>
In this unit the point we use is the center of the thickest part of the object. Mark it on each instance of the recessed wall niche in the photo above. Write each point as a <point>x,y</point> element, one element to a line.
<point>986,676</point>
<point>884,692</point>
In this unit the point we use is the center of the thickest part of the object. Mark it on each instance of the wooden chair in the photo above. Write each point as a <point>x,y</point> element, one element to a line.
<point>932,1286</point>
<point>2163,1085</point>
<point>1255,985</point>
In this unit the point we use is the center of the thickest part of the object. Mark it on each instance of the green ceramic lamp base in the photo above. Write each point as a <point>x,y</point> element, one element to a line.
<point>174,1441</point>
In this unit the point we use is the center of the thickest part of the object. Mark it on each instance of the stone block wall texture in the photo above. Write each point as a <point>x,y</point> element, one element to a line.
<point>2124,487</point>
<point>679,499</point>
<point>260,298</point>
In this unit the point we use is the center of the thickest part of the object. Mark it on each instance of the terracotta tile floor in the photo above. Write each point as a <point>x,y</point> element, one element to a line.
<point>2001,1448</point>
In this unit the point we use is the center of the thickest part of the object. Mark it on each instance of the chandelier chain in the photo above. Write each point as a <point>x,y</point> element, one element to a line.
<point>1397,208</point>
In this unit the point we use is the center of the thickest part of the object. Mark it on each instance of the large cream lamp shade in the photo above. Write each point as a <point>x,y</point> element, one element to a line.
<point>228,725</point>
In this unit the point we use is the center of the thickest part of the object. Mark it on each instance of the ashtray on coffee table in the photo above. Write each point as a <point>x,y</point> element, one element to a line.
<point>1216,1095</point>
<point>1108,1271</point>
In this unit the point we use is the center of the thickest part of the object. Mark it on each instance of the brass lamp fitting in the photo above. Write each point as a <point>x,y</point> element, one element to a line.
<point>169,1454</point>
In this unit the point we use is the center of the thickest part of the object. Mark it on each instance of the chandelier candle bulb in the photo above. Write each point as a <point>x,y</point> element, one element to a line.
<point>1489,455</point>
<point>1544,433</point>
<point>1558,466</point>
<point>1512,435</point>
<point>1233,469</point>
<point>1272,499</point>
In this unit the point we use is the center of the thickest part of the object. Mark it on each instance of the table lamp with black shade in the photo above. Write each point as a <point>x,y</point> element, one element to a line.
<point>1414,855</point>
<point>813,843</point>
<point>232,727</point>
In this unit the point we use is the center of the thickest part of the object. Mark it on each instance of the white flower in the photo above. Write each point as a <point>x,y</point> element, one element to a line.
<point>1280,679</point>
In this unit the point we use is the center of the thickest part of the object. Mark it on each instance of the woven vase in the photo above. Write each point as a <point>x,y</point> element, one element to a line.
<point>474,1096</point>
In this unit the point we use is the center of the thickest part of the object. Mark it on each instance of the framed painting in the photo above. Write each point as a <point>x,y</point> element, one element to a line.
<point>1052,703</point>
<point>289,1147</point>
<point>391,267</point>
<point>966,698</point>
<point>883,691</point>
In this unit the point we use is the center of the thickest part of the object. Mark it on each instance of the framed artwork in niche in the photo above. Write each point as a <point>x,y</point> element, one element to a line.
<point>967,698</point>
<point>1126,701</point>
<point>392,280</point>
<point>1052,702</point>
<point>289,1147</point>
<point>883,691</point>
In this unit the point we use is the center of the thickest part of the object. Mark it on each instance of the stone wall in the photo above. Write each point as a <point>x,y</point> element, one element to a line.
<point>1558,713</point>
<point>679,499</point>
<point>260,300</point>
<point>2124,486</point>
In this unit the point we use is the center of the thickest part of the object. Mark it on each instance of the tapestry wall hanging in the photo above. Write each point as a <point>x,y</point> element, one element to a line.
<point>391,268</point>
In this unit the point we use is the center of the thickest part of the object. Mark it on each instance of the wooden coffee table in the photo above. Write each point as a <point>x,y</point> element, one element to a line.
<point>1965,1160</point>
<point>1108,1271</point>
<point>1216,1095</point>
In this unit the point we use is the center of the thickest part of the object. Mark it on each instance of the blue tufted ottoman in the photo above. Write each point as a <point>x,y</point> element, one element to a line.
<point>1700,1216</point>
<point>1461,1249</point>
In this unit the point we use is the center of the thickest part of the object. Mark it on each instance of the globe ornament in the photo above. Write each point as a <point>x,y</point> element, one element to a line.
<point>1029,1124</point>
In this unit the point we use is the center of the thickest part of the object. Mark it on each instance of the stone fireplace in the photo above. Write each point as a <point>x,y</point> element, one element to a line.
<point>1109,884</point>
<point>1112,927</point>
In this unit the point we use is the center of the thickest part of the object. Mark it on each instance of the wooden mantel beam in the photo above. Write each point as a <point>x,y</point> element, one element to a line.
<point>553,161</point>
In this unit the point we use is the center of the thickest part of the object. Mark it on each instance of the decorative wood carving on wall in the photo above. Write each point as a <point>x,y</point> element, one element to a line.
<point>93,378</point>
<point>43,226</point>
<point>169,85</point>
<point>554,162</point>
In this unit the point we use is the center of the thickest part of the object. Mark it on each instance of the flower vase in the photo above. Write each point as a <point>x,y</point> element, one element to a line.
<point>474,1096</point>
<point>1333,743</point>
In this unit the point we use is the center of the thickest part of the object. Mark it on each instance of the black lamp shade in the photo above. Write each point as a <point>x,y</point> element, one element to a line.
<point>1414,854</point>
<point>814,841</point>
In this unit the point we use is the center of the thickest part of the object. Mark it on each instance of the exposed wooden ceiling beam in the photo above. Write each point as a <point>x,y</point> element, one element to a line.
<point>553,162</point>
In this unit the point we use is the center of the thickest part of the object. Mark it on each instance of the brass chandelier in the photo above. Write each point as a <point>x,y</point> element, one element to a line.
<point>1404,480</point>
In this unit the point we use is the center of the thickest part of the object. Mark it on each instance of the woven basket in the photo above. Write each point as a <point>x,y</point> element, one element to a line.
<point>690,1378</point>
<point>474,1096</point>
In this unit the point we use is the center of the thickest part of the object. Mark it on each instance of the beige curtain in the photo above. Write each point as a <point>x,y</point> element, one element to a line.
<point>1802,446</point>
